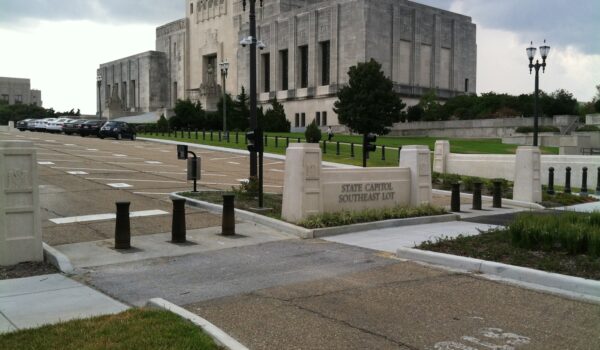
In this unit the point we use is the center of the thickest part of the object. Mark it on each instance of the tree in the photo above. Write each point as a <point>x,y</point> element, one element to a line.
<point>188,115</point>
<point>162,124</point>
<point>560,102</point>
<point>230,110</point>
<point>368,104</point>
<point>414,113</point>
<point>312,133</point>
<point>240,114</point>
<point>274,119</point>
<point>432,109</point>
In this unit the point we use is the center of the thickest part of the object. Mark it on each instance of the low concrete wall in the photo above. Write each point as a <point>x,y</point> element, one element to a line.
<point>503,166</point>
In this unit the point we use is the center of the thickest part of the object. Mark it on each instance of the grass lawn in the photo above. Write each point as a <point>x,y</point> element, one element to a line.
<point>389,157</point>
<point>132,329</point>
<point>244,202</point>
<point>558,243</point>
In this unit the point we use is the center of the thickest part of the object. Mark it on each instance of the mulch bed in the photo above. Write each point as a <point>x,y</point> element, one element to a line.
<point>26,269</point>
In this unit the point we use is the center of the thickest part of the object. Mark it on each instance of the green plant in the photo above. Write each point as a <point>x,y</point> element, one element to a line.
<point>247,188</point>
<point>312,133</point>
<point>543,128</point>
<point>588,128</point>
<point>162,124</point>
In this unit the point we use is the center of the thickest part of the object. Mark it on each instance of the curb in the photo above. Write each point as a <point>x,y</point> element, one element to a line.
<point>219,336</point>
<point>302,232</point>
<point>239,151</point>
<point>365,226</point>
<point>573,286</point>
<point>512,202</point>
<point>57,259</point>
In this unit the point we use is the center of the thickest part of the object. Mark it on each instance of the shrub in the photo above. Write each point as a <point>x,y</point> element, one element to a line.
<point>543,128</point>
<point>312,133</point>
<point>588,128</point>
<point>247,188</point>
<point>162,124</point>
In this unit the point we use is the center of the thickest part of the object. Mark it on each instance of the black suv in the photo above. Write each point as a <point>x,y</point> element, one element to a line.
<point>118,130</point>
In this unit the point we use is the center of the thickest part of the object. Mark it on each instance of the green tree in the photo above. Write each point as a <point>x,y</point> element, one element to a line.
<point>240,115</point>
<point>274,119</point>
<point>312,133</point>
<point>560,102</point>
<point>414,113</point>
<point>368,104</point>
<point>188,115</point>
<point>432,109</point>
<point>162,124</point>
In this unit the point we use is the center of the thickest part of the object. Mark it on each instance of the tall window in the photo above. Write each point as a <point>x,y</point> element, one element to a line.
<point>467,85</point>
<point>283,64</point>
<point>318,118</point>
<point>325,63</point>
<point>266,64</point>
<point>124,93</point>
<point>18,99</point>
<point>303,51</point>
<point>324,118</point>
<point>132,94</point>
<point>297,123</point>
<point>191,8</point>
<point>4,98</point>
<point>174,94</point>
<point>303,119</point>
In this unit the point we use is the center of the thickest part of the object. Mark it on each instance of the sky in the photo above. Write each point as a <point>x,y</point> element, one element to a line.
<point>59,44</point>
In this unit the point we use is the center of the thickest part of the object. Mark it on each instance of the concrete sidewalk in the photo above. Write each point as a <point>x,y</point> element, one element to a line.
<point>35,301</point>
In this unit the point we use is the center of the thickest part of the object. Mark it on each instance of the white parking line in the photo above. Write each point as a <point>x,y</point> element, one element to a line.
<point>77,173</point>
<point>234,163</point>
<point>228,158</point>
<point>120,185</point>
<point>95,169</point>
<point>97,217</point>
<point>152,193</point>
<point>69,144</point>
<point>216,175</point>
<point>61,160</point>
<point>277,170</point>
<point>113,156</point>
<point>91,149</point>
<point>119,155</point>
<point>130,163</point>
<point>45,163</point>
<point>133,180</point>
<point>151,161</point>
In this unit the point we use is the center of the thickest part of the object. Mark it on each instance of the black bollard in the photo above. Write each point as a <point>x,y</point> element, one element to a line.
<point>219,135</point>
<point>266,141</point>
<point>228,223</point>
<point>598,181</point>
<point>324,146</point>
<point>337,148</point>
<point>584,189</point>
<point>568,180</point>
<point>211,135</point>
<point>178,226</point>
<point>122,228</point>
<point>383,152</point>
<point>455,199</point>
<point>276,141</point>
<point>477,195</point>
<point>352,149</point>
<point>237,137</point>
<point>550,189</point>
<point>497,201</point>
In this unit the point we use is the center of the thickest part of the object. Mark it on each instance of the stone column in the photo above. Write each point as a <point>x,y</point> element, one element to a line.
<point>302,182</point>
<point>11,125</point>
<point>527,182</point>
<point>418,159</point>
<point>440,156</point>
<point>20,228</point>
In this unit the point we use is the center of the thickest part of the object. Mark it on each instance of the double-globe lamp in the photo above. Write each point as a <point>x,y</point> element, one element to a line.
<point>544,51</point>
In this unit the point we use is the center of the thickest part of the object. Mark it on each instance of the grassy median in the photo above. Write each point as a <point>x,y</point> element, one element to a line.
<point>132,329</point>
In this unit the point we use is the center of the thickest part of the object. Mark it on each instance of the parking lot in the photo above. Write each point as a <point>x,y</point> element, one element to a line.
<point>81,178</point>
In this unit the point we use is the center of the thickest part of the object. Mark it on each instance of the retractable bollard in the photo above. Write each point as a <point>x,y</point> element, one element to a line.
<point>497,198</point>
<point>178,230</point>
<point>477,195</point>
<point>122,228</point>
<point>455,199</point>
<point>568,180</point>
<point>598,181</point>
<point>584,189</point>
<point>228,224</point>
<point>550,189</point>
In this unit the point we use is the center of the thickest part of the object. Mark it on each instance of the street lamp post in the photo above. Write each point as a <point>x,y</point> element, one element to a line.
<point>99,80</point>
<point>254,43</point>
<point>224,68</point>
<point>544,50</point>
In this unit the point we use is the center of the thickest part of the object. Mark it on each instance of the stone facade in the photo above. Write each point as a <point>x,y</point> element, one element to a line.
<point>18,90</point>
<point>310,45</point>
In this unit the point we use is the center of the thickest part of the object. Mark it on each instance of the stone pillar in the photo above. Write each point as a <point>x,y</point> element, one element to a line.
<point>20,228</point>
<point>11,125</point>
<point>527,182</point>
<point>440,155</point>
<point>418,159</point>
<point>302,182</point>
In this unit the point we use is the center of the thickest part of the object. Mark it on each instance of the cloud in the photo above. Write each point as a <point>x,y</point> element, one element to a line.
<point>22,13</point>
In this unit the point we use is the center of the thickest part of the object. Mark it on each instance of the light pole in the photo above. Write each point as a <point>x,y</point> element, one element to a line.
<point>99,80</point>
<point>253,42</point>
<point>224,68</point>
<point>544,50</point>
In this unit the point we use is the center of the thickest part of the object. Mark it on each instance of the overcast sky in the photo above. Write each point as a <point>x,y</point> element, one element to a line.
<point>58,44</point>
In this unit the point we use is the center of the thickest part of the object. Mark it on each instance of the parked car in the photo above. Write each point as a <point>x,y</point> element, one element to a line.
<point>31,124</point>
<point>73,126</point>
<point>91,127</point>
<point>56,125</point>
<point>42,124</point>
<point>117,130</point>
<point>22,124</point>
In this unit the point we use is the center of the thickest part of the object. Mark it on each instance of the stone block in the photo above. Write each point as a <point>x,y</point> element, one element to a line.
<point>418,160</point>
<point>527,181</point>
<point>302,182</point>
<point>440,155</point>
<point>20,227</point>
